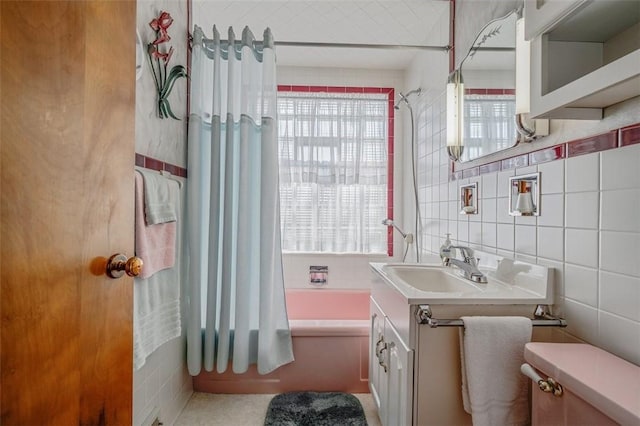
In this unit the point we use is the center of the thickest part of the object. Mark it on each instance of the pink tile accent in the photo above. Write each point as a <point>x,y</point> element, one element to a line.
<point>513,162</point>
<point>318,89</point>
<point>175,170</point>
<point>593,144</point>
<point>153,164</point>
<point>608,383</point>
<point>467,173</point>
<point>300,88</point>
<point>489,168</point>
<point>475,91</point>
<point>495,91</point>
<point>630,135</point>
<point>549,154</point>
<point>480,91</point>
<point>335,89</point>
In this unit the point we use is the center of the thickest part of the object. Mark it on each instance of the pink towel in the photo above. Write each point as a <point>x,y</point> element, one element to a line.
<point>155,244</point>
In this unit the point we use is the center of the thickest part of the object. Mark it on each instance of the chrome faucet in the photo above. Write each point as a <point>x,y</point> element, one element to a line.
<point>468,267</point>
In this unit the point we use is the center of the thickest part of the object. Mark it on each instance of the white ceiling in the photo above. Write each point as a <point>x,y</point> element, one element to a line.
<point>390,22</point>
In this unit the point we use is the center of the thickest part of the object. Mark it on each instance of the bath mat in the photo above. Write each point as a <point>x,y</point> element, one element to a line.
<point>315,409</point>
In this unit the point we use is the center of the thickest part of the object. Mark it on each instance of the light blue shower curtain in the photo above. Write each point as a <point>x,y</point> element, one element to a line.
<point>236,296</point>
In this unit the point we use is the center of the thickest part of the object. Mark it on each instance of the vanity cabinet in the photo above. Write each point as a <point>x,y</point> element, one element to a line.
<point>391,371</point>
<point>585,56</point>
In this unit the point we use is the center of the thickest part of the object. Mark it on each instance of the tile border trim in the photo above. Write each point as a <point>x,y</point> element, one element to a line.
<point>613,139</point>
<point>157,165</point>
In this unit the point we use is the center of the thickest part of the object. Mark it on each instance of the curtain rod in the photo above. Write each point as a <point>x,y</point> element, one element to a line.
<point>342,45</point>
<point>361,45</point>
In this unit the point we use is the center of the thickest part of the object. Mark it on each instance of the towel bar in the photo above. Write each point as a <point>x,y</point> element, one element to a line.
<point>424,316</point>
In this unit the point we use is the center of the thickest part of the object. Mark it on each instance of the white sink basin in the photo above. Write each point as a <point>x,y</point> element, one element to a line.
<point>510,282</point>
<point>430,278</point>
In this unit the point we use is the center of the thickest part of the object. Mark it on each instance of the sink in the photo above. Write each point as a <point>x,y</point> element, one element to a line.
<point>430,278</point>
<point>510,282</point>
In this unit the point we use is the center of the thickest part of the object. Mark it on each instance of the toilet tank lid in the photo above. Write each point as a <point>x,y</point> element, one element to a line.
<point>607,382</point>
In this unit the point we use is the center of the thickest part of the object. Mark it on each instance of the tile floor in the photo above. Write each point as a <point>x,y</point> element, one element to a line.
<point>244,410</point>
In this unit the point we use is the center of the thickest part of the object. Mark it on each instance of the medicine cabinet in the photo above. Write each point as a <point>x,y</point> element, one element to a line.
<point>585,56</point>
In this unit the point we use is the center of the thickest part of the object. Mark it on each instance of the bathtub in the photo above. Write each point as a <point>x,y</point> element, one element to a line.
<point>330,332</point>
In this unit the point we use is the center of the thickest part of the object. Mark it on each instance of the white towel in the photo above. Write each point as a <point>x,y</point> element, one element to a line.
<point>492,350</point>
<point>159,204</point>
<point>156,314</point>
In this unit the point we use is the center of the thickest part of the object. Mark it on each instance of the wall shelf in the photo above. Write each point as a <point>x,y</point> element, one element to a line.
<point>586,60</point>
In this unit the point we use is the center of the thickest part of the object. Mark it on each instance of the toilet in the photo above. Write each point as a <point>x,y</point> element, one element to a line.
<point>598,388</point>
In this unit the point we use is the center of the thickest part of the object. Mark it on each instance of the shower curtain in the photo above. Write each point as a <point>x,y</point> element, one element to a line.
<point>237,306</point>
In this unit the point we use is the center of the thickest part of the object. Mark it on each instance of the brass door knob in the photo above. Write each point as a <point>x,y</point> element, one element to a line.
<point>118,265</point>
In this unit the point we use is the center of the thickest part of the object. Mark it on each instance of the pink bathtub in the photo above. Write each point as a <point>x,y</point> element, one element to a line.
<point>330,330</point>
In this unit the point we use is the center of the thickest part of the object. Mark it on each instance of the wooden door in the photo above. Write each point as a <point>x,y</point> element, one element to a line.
<point>66,157</point>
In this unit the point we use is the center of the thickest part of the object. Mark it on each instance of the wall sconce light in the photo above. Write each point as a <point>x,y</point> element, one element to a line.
<point>528,128</point>
<point>455,114</point>
<point>524,195</point>
<point>469,198</point>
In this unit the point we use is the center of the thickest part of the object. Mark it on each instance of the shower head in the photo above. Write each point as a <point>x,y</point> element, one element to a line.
<point>389,222</point>
<point>404,98</point>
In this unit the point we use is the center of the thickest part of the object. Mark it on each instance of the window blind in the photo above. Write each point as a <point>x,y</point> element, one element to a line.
<point>333,171</point>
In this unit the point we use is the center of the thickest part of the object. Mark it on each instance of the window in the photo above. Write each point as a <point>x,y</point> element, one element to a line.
<point>336,168</point>
<point>489,122</point>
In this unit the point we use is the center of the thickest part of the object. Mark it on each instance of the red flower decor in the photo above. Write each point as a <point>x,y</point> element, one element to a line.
<point>164,79</point>
<point>161,26</point>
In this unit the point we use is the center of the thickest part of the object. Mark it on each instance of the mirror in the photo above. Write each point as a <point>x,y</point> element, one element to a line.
<point>489,107</point>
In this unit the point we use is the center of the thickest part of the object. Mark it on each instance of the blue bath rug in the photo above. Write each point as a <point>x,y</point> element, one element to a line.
<point>315,409</point>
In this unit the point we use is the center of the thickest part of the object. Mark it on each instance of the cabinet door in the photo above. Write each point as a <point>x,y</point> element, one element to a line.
<point>540,15</point>
<point>400,376</point>
<point>377,375</point>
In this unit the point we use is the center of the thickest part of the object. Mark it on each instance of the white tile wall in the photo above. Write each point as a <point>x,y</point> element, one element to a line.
<point>619,252</point>
<point>550,243</point>
<point>551,209</point>
<point>588,231</point>
<point>582,173</point>
<point>526,240</point>
<point>620,210</point>
<point>162,385</point>
<point>620,294</point>
<point>581,284</point>
<point>620,168</point>
<point>582,210</point>
<point>553,181</point>
<point>581,247</point>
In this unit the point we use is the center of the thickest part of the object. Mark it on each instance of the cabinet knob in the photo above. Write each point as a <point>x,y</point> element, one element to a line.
<point>118,265</point>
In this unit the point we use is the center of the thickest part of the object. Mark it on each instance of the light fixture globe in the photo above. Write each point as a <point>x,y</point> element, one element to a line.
<point>455,114</point>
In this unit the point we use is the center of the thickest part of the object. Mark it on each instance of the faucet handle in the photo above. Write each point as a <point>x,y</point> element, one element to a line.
<point>467,253</point>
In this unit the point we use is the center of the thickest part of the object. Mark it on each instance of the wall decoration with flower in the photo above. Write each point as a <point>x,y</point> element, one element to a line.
<point>163,76</point>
